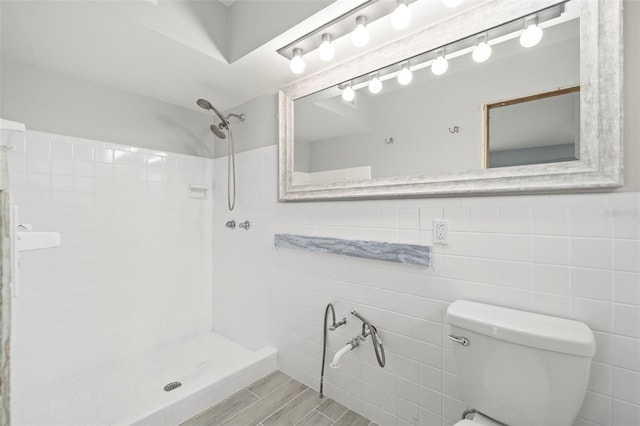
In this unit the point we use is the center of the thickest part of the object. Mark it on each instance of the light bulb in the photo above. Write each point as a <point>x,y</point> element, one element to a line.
<point>375,85</point>
<point>452,3</point>
<point>297,63</point>
<point>401,17</point>
<point>531,36</point>
<point>326,50</point>
<point>348,94</point>
<point>481,52</point>
<point>440,65</point>
<point>360,35</point>
<point>405,75</point>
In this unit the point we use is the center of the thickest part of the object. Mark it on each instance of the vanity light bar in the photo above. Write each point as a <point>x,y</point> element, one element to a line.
<point>341,26</point>
<point>499,34</point>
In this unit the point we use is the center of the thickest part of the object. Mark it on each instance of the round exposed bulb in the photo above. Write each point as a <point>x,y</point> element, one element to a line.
<point>360,35</point>
<point>375,85</point>
<point>326,50</point>
<point>452,3</point>
<point>401,17</point>
<point>405,76</point>
<point>439,66</point>
<point>348,94</point>
<point>481,52</point>
<point>531,36</point>
<point>297,63</point>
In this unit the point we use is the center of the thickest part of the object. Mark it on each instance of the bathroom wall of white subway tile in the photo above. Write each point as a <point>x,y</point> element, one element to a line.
<point>134,267</point>
<point>575,256</point>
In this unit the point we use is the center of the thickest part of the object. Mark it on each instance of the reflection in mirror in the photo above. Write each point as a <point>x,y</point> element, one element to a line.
<point>434,123</point>
<point>515,135</point>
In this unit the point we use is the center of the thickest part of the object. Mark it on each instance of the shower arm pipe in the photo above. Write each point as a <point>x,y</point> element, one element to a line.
<point>240,117</point>
<point>334,325</point>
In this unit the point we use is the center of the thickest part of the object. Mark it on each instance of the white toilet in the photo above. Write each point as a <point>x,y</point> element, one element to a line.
<point>519,368</point>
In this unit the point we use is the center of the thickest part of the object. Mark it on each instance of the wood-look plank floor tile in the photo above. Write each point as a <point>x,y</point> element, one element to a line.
<point>295,410</point>
<point>225,410</point>
<point>278,400</point>
<point>266,406</point>
<point>315,419</point>
<point>351,418</point>
<point>268,384</point>
<point>331,409</point>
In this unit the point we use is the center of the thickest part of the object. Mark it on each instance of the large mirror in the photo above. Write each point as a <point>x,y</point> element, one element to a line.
<point>527,119</point>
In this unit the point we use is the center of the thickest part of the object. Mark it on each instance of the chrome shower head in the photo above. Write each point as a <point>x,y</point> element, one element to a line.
<point>205,104</point>
<point>217,130</point>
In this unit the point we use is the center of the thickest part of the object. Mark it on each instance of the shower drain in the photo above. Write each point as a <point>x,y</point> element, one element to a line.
<point>171,386</point>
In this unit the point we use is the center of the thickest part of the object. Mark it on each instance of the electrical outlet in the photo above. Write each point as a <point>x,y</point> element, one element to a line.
<point>440,231</point>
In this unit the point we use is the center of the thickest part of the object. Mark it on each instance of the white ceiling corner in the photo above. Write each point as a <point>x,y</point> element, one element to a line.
<point>178,51</point>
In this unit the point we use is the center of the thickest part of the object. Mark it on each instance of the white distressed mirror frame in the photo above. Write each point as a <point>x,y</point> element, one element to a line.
<point>601,119</point>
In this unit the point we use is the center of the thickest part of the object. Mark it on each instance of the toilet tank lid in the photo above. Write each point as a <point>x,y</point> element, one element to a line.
<point>524,328</point>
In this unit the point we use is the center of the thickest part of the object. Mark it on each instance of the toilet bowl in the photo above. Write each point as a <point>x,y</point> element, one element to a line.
<point>497,350</point>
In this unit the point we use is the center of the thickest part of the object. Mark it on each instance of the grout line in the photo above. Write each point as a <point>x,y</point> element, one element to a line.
<point>254,394</point>
<point>241,411</point>
<point>342,415</point>
<point>255,402</point>
<point>318,404</point>
<point>275,389</point>
<point>307,414</point>
<point>324,415</point>
<point>283,405</point>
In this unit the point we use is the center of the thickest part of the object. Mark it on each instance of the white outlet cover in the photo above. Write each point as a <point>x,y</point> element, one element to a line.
<point>440,231</point>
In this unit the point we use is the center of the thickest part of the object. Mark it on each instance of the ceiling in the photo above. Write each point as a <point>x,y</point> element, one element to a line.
<point>179,51</point>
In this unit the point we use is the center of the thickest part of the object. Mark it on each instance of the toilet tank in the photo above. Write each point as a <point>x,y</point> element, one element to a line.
<point>521,368</point>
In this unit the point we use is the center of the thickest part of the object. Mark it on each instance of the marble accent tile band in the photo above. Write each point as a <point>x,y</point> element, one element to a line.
<point>390,252</point>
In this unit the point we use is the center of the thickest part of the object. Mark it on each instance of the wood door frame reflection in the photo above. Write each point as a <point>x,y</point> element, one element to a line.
<point>514,101</point>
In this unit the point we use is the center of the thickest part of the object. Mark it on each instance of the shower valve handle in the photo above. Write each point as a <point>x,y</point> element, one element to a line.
<point>231,224</point>
<point>245,225</point>
<point>335,325</point>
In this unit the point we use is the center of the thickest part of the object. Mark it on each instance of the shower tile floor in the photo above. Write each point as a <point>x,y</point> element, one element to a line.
<point>278,400</point>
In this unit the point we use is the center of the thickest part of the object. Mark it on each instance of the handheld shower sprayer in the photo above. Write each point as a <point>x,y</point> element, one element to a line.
<point>218,130</point>
<point>205,104</point>
<point>368,329</point>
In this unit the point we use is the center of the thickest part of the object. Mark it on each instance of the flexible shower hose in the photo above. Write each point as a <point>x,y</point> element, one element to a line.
<point>231,172</point>
<point>324,342</point>
<point>377,345</point>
